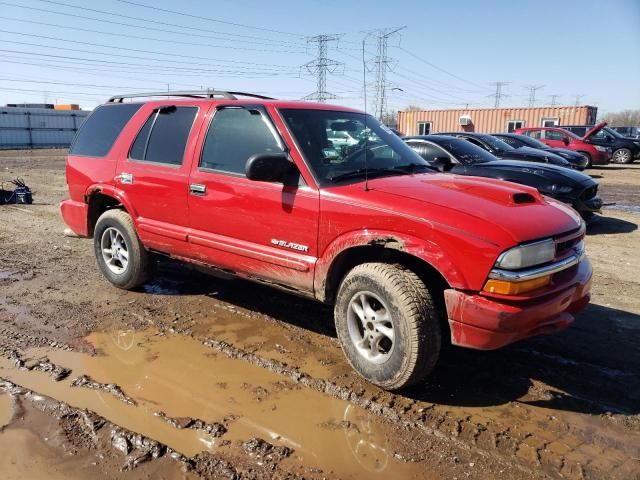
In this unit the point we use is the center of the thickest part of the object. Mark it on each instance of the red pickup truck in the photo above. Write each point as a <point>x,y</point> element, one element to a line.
<point>252,186</point>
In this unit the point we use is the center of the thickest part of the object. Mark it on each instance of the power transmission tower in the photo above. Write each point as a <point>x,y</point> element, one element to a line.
<point>499,94</point>
<point>320,66</point>
<point>532,93</point>
<point>578,98</point>
<point>554,99</point>
<point>381,63</point>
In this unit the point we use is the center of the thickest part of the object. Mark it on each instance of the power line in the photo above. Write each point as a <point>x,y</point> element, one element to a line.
<point>382,63</point>
<point>499,94</point>
<point>321,65</point>
<point>232,36</point>
<point>532,93</point>
<point>102,45</point>
<point>153,39</point>
<point>209,19</point>
<point>439,68</point>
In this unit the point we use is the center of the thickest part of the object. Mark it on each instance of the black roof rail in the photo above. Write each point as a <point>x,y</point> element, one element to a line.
<point>190,94</point>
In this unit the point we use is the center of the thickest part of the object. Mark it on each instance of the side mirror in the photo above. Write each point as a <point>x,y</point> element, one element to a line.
<point>269,167</point>
<point>441,163</point>
<point>565,140</point>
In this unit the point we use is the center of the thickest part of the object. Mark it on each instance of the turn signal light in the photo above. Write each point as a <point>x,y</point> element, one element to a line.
<point>503,287</point>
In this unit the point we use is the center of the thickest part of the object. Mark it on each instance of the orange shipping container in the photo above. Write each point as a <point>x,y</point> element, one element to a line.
<point>492,120</point>
<point>66,106</point>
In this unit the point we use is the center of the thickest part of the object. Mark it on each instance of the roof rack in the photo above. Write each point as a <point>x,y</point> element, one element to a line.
<point>190,94</point>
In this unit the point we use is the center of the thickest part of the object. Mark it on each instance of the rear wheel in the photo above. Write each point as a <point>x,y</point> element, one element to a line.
<point>119,252</point>
<point>387,325</point>
<point>622,155</point>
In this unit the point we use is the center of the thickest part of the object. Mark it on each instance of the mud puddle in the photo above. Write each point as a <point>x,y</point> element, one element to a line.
<point>6,410</point>
<point>194,400</point>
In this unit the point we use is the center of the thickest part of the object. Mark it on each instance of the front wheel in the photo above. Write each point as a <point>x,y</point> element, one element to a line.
<point>622,155</point>
<point>387,325</point>
<point>121,256</point>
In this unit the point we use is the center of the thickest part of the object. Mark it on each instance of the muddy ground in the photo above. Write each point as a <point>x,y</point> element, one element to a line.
<point>196,376</point>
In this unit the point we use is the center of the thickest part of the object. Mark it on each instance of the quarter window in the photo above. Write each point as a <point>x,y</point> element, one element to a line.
<point>100,130</point>
<point>235,134</point>
<point>164,136</point>
<point>424,128</point>
<point>514,125</point>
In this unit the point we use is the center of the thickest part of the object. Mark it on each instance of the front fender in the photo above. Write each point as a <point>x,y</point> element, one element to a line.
<point>425,250</point>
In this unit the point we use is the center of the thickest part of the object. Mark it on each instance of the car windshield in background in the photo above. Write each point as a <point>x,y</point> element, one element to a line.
<point>341,146</point>
<point>466,152</point>
<point>496,144</point>
<point>532,142</point>
<point>613,132</point>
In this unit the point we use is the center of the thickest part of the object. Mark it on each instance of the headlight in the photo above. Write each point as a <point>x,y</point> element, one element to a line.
<point>601,149</point>
<point>637,144</point>
<point>527,255</point>
<point>560,188</point>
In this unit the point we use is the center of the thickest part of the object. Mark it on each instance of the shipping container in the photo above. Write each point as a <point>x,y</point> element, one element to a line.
<point>22,127</point>
<point>492,120</point>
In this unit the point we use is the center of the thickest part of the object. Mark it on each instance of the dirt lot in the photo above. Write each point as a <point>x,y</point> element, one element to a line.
<point>197,376</point>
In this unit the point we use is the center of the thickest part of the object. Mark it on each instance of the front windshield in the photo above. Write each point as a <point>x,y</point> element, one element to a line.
<point>341,146</point>
<point>613,132</point>
<point>465,152</point>
<point>496,144</point>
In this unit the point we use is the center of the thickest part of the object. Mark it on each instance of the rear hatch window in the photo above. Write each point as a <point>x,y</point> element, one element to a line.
<point>102,127</point>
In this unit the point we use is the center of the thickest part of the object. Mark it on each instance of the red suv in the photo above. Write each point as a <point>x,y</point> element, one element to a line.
<point>557,137</point>
<point>406,255</point>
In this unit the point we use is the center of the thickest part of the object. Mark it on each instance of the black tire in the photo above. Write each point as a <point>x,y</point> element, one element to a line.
<point>589,162</point>
<point>138,266</point>
<point>622,155</point>
<point>414,320</point>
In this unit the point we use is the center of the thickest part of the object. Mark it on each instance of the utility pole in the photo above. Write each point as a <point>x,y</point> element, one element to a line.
<point>554,99</point>
<point>578,98</point>
<point>532,93</point>
<point>381,63</point>
<point>499,95</point>
<point>320,66</point>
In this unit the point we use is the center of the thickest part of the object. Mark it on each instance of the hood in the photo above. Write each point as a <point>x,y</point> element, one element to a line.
<point>594,130</point>
<point>493,209</point>
<point>566,153</point>
<point>551,173</point>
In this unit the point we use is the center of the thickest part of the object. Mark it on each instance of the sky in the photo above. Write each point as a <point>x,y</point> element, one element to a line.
<point>445,54</point>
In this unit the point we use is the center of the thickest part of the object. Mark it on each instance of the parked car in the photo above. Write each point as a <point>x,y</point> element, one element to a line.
<point>505,151</point>
<point>628,132</point>
<point>457,155</point>
<point>577,160</point>
<point>558,138</point>
<point>406,256</point>
<point>625,150</point>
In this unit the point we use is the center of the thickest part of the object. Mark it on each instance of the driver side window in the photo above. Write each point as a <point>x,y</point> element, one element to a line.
<point>428,151</point>
<point>234,135</point>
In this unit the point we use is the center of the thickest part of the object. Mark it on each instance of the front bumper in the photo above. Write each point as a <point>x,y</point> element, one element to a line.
<point>601,158</point>
<point>486,323</point>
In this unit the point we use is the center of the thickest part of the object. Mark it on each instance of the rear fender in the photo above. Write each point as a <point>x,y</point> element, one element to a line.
<point>424,250</point>
<point>114,192</point>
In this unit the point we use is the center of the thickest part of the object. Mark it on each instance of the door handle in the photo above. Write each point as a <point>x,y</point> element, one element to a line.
<point>124,178</point>
<point>197,189</point>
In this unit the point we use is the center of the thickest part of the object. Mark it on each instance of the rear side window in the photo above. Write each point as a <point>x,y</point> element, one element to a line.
<point>100,130</point>
<point>163,137</point>
<point>235,134</point>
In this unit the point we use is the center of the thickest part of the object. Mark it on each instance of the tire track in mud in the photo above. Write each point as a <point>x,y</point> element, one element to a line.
<point>87,430</point>
<point>569,451</point>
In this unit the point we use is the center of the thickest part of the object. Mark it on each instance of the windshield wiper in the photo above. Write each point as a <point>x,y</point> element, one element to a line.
<point>368,171</point>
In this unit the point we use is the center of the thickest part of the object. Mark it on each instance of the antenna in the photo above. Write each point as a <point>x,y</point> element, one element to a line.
<point>366,135</point>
